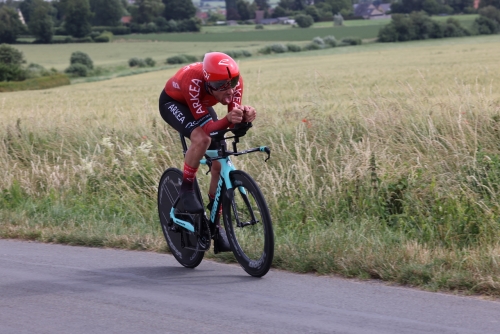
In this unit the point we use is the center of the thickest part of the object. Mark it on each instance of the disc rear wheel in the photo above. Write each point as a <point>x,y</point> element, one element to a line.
<point>183,244</point>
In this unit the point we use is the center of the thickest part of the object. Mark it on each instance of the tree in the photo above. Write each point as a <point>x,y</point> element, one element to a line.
<point>279,12</point>
<point>304,21</point>
<point>460,6</point>
<point>486,3</point>
<point>191,24</point>
<point>338,5</point>
<point>491,12</point>
<point>262,4</point>
<point>215,16</point>
<point>147,11</point>
<point>338,20</point>
<point>407,6</point>
<point>41,25</point>
<point>244,10</point>
<point>25,7</point>
<point>10,63</point>
<point>286,4</point>
<point>299,5</point>
<point>232,10</point>
<point>431,7</point>
<point>11,56</point>
<point>296,5</point>
<point>58,11</point>
<point>79,57</point>
<point>10,25</point>
<point>313,12</point>
<point>325,11</point>
<point>77,16</point>
<point>106,12</point>
<point>178,9</point>
<point>400,29</point>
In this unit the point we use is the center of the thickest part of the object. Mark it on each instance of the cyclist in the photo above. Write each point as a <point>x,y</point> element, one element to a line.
<point>186,104</point>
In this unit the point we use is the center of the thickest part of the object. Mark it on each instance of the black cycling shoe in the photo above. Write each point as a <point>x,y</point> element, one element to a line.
<point>189,202</point>
<point>221,244</point>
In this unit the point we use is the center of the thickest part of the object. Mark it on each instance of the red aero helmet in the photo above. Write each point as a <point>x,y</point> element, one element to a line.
<point>219,66</point>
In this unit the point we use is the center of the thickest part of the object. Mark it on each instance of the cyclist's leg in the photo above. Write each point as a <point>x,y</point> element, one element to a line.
<point>216,167</point>
<point>215,172</point>
<point>181,119</point>
<point>221,244</point>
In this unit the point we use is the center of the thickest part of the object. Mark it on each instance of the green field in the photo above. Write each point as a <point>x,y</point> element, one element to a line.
<point>115,55</point>
<point>290,34</point>
<point>118,53</point>
<point>364,29</point>
<point>385,160</point>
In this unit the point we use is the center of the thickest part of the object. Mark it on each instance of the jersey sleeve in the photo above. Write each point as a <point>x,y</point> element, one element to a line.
<point>237,97</point>
<point>212,126</point>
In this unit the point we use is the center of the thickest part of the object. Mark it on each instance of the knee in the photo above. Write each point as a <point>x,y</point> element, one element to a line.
<point>200,138</point>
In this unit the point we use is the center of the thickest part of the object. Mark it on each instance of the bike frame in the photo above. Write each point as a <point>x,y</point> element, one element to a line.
<point>226,167</point>
<point>224,180</point>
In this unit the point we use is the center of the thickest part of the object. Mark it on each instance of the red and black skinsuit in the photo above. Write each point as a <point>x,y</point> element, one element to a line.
<point>186,102</point>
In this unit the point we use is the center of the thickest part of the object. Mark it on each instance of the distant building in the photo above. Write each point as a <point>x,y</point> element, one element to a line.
<point>203,16</point>
<point>369,11</point>
<point>259,16</point>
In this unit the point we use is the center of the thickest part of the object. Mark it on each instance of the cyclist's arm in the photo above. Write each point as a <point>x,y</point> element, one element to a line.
<point>233,117</point>
<point>212,126</point>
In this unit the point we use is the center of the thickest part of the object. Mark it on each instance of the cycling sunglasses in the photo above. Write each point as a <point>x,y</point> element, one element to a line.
<point>223,85</point>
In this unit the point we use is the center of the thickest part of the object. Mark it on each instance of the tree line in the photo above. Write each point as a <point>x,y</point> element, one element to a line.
<point>435,7</point>
<point>311,11</point>
<point>420,26</point>
<point>77,17</point>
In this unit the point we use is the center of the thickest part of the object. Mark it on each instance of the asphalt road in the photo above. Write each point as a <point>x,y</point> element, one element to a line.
<point>48,288</point>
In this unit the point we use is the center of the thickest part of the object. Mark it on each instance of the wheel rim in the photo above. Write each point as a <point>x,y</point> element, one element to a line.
<point>246,222</point>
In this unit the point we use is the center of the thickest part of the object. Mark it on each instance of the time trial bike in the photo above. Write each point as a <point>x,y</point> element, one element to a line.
<point>245,214</point>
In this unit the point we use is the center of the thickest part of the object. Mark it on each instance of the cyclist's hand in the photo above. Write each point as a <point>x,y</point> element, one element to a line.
<point>249,114</point>
<point>235,116</point>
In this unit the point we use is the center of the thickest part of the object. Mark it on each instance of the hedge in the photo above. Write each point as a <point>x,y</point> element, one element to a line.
<point>55,80</point>
<point>119,30</point>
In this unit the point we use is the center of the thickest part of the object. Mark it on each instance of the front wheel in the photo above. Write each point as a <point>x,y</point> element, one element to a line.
<point>248,225</point>
<point>177,238</point>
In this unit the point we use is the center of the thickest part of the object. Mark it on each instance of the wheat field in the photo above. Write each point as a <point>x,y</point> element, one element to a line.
<point>385,161</point>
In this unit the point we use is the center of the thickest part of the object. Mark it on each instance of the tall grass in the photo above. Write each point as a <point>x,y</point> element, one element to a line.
<point>387,171</point>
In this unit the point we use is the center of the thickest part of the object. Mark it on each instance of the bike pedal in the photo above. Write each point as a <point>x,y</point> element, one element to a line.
<point>204,245</point>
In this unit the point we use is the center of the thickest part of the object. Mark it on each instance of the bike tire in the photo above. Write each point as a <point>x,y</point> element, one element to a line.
<point>253,244</point>
<point>168,191</point>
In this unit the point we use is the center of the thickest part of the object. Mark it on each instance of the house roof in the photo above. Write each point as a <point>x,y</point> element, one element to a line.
<point>367,9</point>
<point>202,15</point>
<point>363,9</point>
<point>126,19</point>
<point>384,7</point>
